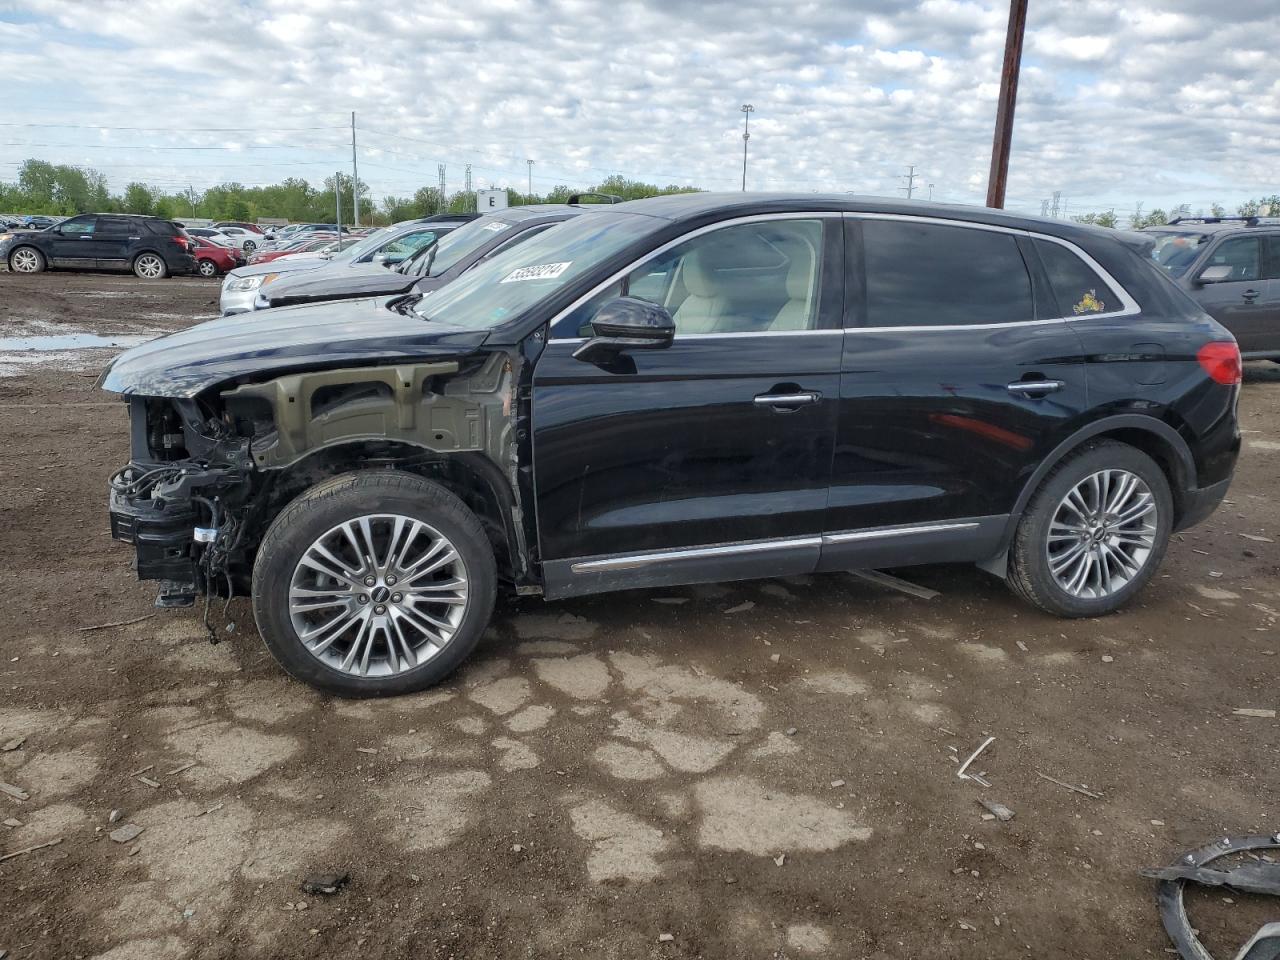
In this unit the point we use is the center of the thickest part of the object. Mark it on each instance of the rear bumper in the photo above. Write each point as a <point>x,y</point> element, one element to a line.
<point>1198,503</point>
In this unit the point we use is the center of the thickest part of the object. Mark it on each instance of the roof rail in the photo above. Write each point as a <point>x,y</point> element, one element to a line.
<point>1247,221</point>
<point>577,197</point>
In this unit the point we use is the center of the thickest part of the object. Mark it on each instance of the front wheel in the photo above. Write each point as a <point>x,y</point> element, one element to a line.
<point>150,266</point>
<point>207,268</point>
<point>27,260</point>
<point>250,246</point>
<point>1094,532</point>
<point>373,584</point>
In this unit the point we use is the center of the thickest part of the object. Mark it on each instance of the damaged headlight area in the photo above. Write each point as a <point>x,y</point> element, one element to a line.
<point>182,501</point>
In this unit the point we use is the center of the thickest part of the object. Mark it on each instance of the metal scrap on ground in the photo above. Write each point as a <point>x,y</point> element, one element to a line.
<point>896,583</point>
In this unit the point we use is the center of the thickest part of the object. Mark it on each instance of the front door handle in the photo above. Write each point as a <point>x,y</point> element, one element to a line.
<point>787,401</point>
<point>1035,388</point>
<point>1249,296</point>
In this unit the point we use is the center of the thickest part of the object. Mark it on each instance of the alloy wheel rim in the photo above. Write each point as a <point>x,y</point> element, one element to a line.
<point>207,269</point>
<point>24,261</point>
<point>149,267</point>
<point>1102,534</point>
<point>378,595</point>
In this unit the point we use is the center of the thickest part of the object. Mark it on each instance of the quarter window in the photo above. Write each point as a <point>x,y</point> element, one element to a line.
<point>1242,254</point>
<point>1076,286</point>
<point>932,275</point>
<point>755,277</point>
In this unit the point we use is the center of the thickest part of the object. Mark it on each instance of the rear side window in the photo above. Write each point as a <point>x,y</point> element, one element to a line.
<point>1273,257</point>
<point>932,275</point>
<point>1076,285</point>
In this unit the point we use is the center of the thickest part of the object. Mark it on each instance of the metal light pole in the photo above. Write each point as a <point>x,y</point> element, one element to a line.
<point>355,174</point>
<point>337,198</point>
<point>530,163</point>
<point>747,110</point>
<point>1003,139</point>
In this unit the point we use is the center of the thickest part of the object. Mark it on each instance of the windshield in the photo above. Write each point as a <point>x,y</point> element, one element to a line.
<point>357,248</point>
<point>1175,252</point>
<point>524,274</point>
<point>463,242</point>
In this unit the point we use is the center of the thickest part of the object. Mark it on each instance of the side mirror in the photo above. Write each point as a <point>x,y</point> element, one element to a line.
<point>627,323</point>
<point>381,259</point>
<point>1215,274</point>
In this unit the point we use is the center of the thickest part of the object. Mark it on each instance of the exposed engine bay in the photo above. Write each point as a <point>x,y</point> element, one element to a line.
<point>208,474</point>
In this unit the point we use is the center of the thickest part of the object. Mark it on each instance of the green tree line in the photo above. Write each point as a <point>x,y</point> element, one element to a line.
<point>61,190</point>
<point>1266,207</point>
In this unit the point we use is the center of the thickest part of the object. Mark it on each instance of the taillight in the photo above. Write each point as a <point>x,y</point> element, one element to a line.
<point>1221,360</point>
<point>183,242</point>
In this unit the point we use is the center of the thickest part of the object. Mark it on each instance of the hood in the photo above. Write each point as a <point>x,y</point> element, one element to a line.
<point>285,264</point>
<point>357,280</point>
<point>346,332</point>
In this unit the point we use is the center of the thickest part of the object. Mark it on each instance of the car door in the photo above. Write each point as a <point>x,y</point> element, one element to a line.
<point>1242,303</point>
<point>955,383</point>
<point>708,459</point>
<point>113,239</point>
<point>73,244</point>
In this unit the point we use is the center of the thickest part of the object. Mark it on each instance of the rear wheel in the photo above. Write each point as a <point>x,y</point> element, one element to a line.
<point>150,266</point>
<point>250,246</point>
<point>207,268</point>
<point>27,260</point>
<point>374,584</point>
<point>1094,532</point>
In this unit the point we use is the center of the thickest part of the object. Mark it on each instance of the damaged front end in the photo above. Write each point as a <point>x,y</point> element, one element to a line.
<point>182,499</point>
<point>209,473</point>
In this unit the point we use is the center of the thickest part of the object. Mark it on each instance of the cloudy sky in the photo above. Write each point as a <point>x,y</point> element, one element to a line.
<point>1164,102</point>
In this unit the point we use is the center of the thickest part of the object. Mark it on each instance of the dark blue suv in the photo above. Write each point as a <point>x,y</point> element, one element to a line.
<point>150,247</point>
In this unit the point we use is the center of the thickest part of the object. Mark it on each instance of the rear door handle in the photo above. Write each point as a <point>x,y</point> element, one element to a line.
<point>1250,295</point>
<point>788,401</point>
<point>1035,388</point>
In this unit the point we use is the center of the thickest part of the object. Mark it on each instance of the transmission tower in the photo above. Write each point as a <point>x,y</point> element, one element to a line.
<point>444,197</point>
<point>1057,200</point>
<point>910,177</point>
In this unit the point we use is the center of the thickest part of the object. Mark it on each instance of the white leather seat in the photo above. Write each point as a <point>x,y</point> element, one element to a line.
<point>706,303</point>
<point>794,314</point>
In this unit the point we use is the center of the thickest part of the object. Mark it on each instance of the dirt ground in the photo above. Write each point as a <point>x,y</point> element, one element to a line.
<point>745,770</point>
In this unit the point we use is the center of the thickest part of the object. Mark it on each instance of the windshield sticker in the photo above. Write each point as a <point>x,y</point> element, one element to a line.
<point>1089,303</point>
<point>543,271</point>
<point>497,226</point>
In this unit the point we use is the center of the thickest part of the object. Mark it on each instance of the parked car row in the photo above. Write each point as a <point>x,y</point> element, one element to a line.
<point>690,388</point>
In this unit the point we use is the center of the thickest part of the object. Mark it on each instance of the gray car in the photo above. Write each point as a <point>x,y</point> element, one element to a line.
<point>1231,267</point>
<point>242,284</point>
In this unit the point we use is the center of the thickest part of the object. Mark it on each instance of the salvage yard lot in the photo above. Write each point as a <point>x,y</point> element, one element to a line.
<point>759,769</point>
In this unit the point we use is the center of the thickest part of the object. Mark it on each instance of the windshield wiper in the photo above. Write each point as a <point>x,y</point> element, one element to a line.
<point>405,304</point>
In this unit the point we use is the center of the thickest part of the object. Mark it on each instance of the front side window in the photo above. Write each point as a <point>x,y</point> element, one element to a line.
<point>757,277</point>
<point>934,275</point>
<point>1076,285</point>
<point>78,225</point>
<point>1242,254</point>
<point>1272,271</point>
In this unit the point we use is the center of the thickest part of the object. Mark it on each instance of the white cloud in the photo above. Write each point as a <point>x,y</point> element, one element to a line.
<point>1166,102</point>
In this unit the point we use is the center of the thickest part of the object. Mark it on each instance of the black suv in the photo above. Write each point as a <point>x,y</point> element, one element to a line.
<point>676,390</point>
<point>150,247</point>
<point>1231,267</point>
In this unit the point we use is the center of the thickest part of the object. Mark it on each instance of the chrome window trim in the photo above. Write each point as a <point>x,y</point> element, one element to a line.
<point>639,560</point>
<point>718,225</point>
<point>1129,306</point>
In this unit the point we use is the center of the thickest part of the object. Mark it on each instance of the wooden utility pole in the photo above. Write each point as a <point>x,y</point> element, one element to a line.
<point>1003,140</point>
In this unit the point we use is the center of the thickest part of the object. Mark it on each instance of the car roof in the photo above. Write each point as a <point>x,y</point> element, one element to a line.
<point>697,206</point>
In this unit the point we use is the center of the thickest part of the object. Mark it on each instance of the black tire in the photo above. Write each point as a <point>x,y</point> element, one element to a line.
<point>206,268</point>
<point>150,266</point>
<point>29,255</point>
<point>344,498</point>
<point>250,246</point>
<point>1029,574</point>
